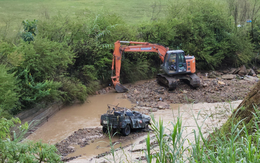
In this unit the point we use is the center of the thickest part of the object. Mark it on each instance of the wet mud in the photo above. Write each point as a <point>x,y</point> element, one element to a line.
<point>150,93</point>
<point>81,142</point>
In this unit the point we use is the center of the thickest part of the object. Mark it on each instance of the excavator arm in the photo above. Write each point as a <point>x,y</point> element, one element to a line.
<point>135,47</point>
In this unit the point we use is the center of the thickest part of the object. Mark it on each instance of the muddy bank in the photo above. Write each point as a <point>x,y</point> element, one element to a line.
<point>81,142</point>
<point>38,115</point>
<point>82,137</point>
<point>150,93</point>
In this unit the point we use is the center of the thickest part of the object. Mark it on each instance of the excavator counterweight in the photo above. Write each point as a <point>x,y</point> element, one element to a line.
<point>176,65</point>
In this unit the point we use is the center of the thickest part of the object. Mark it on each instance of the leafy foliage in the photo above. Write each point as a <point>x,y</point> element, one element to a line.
<point>42,62</point>
<point>134,70</point>
<point>12,150</point>
<point>71,56</point>
<point>8,90</point>
<point>44,59</point>
<point>203,29</point>
<point>91,38</point>
<point>30,28</point>
<point>36,91</point>
<point>73,90</point>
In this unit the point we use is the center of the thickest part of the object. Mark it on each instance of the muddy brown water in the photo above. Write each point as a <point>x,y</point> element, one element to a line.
<point>72,118</point>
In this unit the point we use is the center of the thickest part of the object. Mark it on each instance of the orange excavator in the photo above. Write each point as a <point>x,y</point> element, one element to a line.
<point>176,65</point>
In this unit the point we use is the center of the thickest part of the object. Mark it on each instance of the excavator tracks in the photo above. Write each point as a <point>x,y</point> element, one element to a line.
<point>171,81</point>
<point>194,80</point>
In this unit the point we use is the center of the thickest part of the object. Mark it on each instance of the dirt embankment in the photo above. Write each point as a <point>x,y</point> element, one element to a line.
<point>150,93</point>
<point>86,136</point>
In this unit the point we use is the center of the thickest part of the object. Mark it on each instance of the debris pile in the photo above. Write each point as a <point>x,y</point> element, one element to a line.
<point>82,137</point>
<point>216,86</point>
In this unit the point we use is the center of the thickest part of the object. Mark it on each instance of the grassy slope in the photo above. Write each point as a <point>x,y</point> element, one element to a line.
<point>133,11</point>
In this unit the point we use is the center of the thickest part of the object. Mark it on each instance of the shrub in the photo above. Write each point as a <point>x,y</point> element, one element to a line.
<point>91,37</point>
<point>8,90</point>
<point>44,59</point>
<point>73,90</point>
<point>42,62</point>
<point>12,150</point>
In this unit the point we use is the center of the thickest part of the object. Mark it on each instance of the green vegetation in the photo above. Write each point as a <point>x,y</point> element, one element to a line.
<point>236,146</point>
<point>171,146</point>
<point>62,49</point>
<point>66,57</point>
<point>238,140</point>
<point>132,11</point>
<point>8,91</point>
<point>12,150</point>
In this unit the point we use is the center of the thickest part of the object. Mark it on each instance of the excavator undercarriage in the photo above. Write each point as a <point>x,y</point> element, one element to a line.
<point>171,81</point>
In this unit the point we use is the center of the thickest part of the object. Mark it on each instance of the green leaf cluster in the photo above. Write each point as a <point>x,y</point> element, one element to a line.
<point>203,29</point>
<point>30,28</point>
<point>42,62</point>
<point>8,91</point>
<point>70,57</point>
<point>12,150</point>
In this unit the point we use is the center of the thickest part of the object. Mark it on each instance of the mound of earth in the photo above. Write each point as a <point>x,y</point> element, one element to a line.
<point>81,137</point>
<point>85,136</point>
<point>150,92</point>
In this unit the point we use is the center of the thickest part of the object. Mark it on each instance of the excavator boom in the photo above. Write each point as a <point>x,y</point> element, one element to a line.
<point>137,47</point>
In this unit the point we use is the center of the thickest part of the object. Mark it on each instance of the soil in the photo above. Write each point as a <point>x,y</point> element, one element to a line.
<point>85,136</point>
<point>82,137</point>
<point>149,94</point>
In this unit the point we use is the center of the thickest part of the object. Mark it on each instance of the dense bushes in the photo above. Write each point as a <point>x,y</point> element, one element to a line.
<point>69,57</point>
<point>91,37</point>
<point>42,63</point>
<point>13,150</point>
<point>8,91</point>
<point>205,30</point>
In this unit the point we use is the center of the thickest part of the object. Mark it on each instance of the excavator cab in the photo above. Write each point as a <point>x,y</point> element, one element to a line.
<point>175,62</point>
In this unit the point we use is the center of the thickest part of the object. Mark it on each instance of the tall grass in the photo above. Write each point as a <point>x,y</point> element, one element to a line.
<point>132,11</point>
<point>236,145</point>
<point>170,147</point>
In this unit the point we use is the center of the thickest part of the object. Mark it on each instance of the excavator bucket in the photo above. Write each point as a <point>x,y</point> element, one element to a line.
<point>120,89</point>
